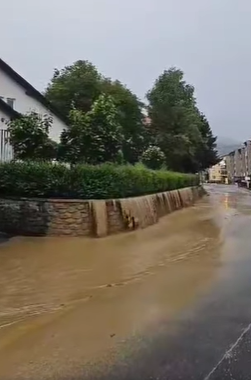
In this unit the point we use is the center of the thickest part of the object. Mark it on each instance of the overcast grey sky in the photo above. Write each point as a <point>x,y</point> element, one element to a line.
<point>135,40</point>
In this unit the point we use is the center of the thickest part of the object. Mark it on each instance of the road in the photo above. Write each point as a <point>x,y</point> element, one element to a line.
<point>168,302</point>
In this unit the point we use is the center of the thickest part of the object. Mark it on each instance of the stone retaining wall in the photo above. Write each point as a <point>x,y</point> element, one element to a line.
<point>58,217</point>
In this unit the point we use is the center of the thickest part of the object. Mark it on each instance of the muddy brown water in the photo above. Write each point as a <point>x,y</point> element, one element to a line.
<point>67,302</point>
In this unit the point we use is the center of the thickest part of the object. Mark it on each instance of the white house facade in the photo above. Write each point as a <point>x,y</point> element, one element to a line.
<point>4,116</point>
<point>17,96</point>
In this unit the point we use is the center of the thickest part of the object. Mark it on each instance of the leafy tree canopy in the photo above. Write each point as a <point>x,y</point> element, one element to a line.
<point>29,137</point>
<point>130,118</point>
<point>94,137</point>
<point>107,123</point>
<point>207,152</point>
<point>176,122</point>
<point>78,86</point>
<point>75,86</point>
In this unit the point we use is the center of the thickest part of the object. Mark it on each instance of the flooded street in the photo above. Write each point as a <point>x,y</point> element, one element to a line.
<point>166,302</point>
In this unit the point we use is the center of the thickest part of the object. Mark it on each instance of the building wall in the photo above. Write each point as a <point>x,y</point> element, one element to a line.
<point>238,164</point>
<point>215,173</point>
<point>248,158</point>
<point>230,166</point>
<point>3,119</point>
<point>6,151</point>
<point>24,103</point>
<point>243,162</point>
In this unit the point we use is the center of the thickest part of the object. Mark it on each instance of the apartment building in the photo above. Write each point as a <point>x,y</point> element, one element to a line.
<point>218,173</point>
<point>238,164</point>
<point>248,157</point>
<point>230,166</point>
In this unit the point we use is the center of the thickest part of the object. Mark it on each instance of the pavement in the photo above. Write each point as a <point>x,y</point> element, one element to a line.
<point>169,302</point>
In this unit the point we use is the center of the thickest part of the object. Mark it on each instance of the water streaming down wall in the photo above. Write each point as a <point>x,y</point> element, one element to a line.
<point>140,212</point>
<point>97,218</point>
<point>100,222</point>
<point>186,196</point>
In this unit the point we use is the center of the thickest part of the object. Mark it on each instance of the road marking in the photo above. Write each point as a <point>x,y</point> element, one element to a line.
<point>228,353</point>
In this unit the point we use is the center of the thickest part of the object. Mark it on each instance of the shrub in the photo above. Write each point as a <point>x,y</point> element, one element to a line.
<point>43,179</point>
<point>93,137</point>
<point>153,157</point>
<point>29,136</point>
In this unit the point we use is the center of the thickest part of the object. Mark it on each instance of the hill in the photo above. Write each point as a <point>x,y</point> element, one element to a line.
<point>226,145</point>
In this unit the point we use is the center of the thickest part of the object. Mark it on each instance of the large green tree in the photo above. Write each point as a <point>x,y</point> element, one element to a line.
<point>93,137</point>
<point>75,86</point>
<point>207,151</point>
<point>175,121</point>
<point>79,85</point>
<point>130,118</point>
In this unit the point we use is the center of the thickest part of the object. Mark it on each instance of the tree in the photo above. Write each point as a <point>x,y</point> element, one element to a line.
<point>75,86</point>
<point>175,120</point>
<point>153,157</point>
<point>207,152</point>
<point>94,137</point>
<point>29,137</point>
<point>78,86</point>
<point>177,126</point>
<point>130,118</point>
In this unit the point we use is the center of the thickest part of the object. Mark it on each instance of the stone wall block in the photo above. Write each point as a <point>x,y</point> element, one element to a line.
<point>61,217</point>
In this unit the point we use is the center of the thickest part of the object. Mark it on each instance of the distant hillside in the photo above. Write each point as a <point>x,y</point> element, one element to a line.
<point>226,145</point>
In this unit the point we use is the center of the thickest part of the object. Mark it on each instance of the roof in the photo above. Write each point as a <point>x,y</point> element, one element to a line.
<point>8,110</point>
<point>30,90</point>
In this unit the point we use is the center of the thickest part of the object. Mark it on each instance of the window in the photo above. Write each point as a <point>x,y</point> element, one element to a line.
<point>11,102</point>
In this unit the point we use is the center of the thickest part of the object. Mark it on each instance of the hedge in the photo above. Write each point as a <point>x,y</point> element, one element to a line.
<point>46,180</point>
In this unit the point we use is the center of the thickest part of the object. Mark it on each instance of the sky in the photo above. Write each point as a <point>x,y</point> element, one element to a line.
<point>134,41</point>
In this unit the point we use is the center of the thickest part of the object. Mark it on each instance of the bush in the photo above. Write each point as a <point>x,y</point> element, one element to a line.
<point>153,157</point>
<point>29,137</point>
<point>41,179</point>
<point>93,137</point>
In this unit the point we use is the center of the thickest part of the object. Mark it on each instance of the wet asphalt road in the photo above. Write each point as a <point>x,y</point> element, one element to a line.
<point>170,302</point>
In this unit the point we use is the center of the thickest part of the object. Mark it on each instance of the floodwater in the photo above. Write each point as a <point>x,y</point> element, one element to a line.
<point>73,308</point>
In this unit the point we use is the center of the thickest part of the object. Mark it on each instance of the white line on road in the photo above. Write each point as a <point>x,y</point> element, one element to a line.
<point>228,353</point>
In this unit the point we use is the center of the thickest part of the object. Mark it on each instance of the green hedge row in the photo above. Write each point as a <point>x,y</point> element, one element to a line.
<point>33,179</point>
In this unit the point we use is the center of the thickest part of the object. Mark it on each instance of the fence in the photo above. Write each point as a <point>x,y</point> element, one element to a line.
<point>6,151</point>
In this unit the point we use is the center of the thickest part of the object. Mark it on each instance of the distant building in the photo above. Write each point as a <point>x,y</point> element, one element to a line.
<point>238,164</point>
<point>218,173</point>
<point>230,166</point>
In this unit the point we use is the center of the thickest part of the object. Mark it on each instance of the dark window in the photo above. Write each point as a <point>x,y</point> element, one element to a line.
<point>11,102</point>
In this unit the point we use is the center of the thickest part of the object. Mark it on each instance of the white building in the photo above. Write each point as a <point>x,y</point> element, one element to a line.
<point>218,173</point>
<point>17,96</point>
